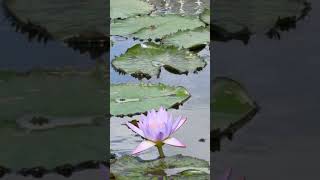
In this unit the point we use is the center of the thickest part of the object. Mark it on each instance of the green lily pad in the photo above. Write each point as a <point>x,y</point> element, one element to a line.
<point>256,15</point>
<point>205,16</point>
<point>128,8</point>
<point>56,117</point>
<point>174,167</point>
<point>153,27</point>
<point>190,39</point>
<point>146,60</point>
<point>231,103</point>
<point>61,19</point>
<point>131,99</point>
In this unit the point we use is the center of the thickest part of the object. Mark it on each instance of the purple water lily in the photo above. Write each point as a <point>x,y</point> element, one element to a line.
<point>156,128</point>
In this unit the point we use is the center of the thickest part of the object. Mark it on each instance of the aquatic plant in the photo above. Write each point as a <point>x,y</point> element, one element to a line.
<point>156,128</point>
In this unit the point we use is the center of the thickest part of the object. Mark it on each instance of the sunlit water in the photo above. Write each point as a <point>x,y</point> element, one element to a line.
<point>197,110</point>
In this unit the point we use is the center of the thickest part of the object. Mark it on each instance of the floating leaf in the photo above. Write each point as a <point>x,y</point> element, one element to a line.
<point>146,60</point>
<point>62,19</point>
<point>128,8</point>
<point>131,99</point>
<point>232,106</point>
<point>154,27</point>
<point>49,114</point>
<point>190,39</point>
<point>205,16</point>
<point>174,167</point>
<point>256,15</point>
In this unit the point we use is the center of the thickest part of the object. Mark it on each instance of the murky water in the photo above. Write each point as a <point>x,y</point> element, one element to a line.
<point>282,141</point>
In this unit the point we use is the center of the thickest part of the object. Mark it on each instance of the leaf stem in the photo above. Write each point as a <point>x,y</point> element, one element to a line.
<point>160,150</point>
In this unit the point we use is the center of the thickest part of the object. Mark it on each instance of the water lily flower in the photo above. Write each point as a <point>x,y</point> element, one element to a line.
<point>156,129</point>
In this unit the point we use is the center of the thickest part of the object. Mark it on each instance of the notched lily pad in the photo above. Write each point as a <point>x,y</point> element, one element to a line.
<point>191,39</point>
<point>154,27</point>
<point>132,99</point>
<point>174,167</point>
<point>121,9</point>
<point>146,60</point>
<point>232,108</point>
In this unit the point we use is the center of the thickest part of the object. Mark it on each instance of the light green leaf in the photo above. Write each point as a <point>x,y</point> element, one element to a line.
<point>131,99</point>
<point>154,27</point>
<point>146,60</point>
<point>189,39</point>
<point>128,8</point>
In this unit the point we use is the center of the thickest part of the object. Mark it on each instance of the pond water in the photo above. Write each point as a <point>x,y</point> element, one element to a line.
<point>196,109</point>
<point>18,53</point>
<point>282,141</point>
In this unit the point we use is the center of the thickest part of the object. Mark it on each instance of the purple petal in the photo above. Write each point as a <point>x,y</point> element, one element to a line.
<point>135,129</point>
<point>174,142</point>
<point>160,136</point>
<point>178,123</point>
<point>144,145</point>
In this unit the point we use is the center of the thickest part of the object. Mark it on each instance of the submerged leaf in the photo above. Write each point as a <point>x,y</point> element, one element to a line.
<point>146,60</point>
<point>131,99</point>
<point>174,167</point>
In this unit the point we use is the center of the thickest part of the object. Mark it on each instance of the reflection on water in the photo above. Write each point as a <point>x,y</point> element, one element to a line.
<point>197,109</point>
<point>183,7</point>
<point>282,142</point>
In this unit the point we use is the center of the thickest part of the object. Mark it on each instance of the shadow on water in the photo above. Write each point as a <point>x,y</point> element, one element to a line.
<point>283,140</point>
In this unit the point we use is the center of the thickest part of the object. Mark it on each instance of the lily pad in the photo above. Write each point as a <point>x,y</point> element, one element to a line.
<point>61,19</point>
<point>153,27</point>
<point>232,106</point>
<point>205,16</point>
<point>174,167</point>
<point>190,39</point>
<point>128,8</point>
<point>49,114</point>
<point>131,99</point>
<point>146,60</point>
<point>256,15</point>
